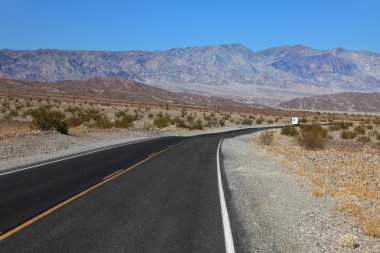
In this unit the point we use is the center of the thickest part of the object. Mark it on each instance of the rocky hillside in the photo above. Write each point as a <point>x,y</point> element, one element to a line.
<point>224,70</point>
<point>347,101</point>
<point>112,89</point>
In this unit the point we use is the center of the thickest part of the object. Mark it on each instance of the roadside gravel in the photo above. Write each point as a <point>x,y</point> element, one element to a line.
<point>272,212</point>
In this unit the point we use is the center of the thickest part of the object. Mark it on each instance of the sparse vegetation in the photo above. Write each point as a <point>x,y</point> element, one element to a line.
<point>47,120</point>
<point>340,125</point>
<point>246,121</point>
<point>161,121</point>
<point>289,130</point>
<point>125,121</point>
<point>266,137</point>
<point>346,134</point>
<point>363,139</point>
<point>348,241</point>
<point>312,136</point>
<point>359,130</point>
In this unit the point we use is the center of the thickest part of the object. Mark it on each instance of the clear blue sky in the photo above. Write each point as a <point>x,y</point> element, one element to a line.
<point>161,24</point>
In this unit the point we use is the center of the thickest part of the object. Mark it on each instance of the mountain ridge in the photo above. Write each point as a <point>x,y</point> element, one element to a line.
<point>346,101</point>
<point>228,70</point>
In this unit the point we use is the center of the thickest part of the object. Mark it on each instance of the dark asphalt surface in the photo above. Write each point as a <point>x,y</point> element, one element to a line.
<point>169,203</point>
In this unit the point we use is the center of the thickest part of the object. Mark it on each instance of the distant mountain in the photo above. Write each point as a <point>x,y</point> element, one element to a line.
<point>347,102</point>
<point>232,71</point>
<point>112,89</point>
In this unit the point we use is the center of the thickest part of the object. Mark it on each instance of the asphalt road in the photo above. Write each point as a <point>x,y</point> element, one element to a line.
<point>159,195</point>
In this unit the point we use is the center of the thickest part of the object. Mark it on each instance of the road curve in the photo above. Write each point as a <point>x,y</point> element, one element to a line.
<point>159,195</point>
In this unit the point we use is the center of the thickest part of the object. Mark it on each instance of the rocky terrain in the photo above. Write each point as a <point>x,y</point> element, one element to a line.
<point>232,70</point>
<point>347,101</point>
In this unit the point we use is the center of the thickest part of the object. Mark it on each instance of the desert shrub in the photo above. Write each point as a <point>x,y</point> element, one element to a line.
<point>198,124</point>
<point>289,130</point>
<point>266,137</point>
<point>345,134</point>
<point>178,122</point>
<point>333,128</point>
<point>120,114</point>
<point>226,117</point>
<point>378,137</point>
<point>221,122</point>
<point>126,121</point>
<point>190,119</point>
<point>259,121</point>
<point>211,121</point>
<point>162,121</point>
<point>103,122</point>
<point>373,133</point>
<point>370,127</point>
<point>348,241</point>
<point>312,136</point>
<point>246,121</point>
<point>303,120</point>
<point>359,130</point>
<point>314,128</point>
<point>46,119</point>
<point>270,121</point>
<point>7,117</point>
<point>13,113</point>
<point>91,114</point>
<point>183,113</point>
<point>363,139</point>
<point>345,125</point>
<point>91,117</point>
<point>340,125</point>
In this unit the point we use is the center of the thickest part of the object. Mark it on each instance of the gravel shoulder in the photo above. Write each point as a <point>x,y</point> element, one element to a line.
<point>274,213</point>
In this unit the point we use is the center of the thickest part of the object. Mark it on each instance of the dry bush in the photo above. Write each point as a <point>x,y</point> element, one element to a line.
<point>247,122</point>
<point>345,134</point>
<point>312,137</point>
<point>359,130</point>
<point>289,130</point>
<point>198,125</point>
<point>340,125</point>
<point>125,121</point>
<point>348,241</point>
<point>46,119</point>
<point>363,139</point>
<point>267,137</point>
<point>161,121</point>
<point>103,122</point>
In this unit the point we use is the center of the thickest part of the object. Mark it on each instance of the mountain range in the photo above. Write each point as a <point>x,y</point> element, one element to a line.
<point>233,71</point>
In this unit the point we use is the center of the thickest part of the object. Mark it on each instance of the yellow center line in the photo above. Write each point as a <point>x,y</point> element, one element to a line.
<point>117,172</point>
<point>58,206</point>
<point>153,154</point>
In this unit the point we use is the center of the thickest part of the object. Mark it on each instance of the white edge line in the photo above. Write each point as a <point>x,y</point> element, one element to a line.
<point>228,239</point>
<point>83,154</point>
